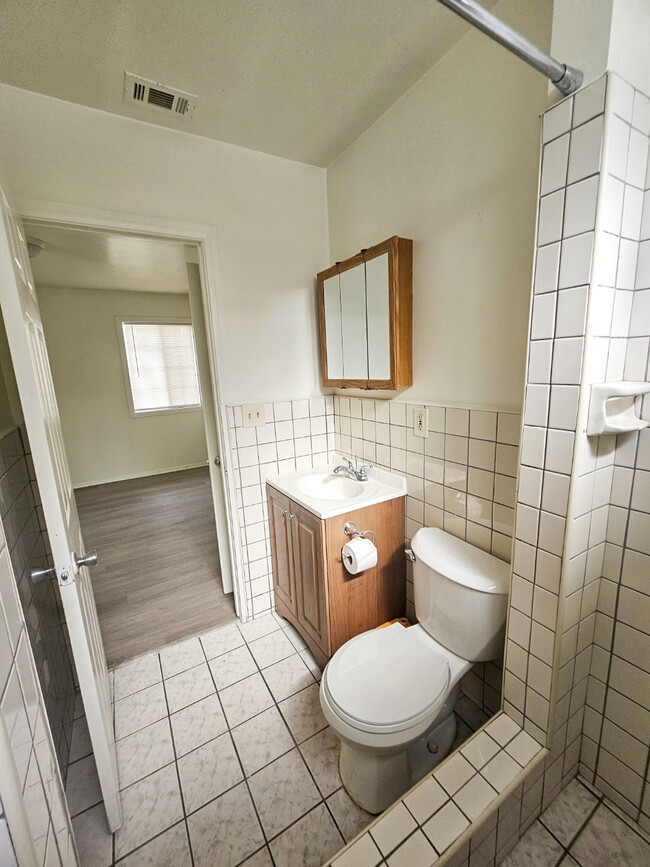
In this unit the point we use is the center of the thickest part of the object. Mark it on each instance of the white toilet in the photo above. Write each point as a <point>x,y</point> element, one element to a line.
<point>389,693</point>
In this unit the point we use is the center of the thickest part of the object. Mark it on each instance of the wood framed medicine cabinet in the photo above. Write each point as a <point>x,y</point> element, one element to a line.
<point>365,310</point>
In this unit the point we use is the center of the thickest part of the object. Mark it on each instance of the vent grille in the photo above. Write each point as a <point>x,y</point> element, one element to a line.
<point>159,96</point>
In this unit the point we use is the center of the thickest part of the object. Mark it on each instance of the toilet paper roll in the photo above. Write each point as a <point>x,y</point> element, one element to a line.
<point>359,555</point>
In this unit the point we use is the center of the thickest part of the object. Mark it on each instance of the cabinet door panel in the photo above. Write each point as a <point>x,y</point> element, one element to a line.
<point>353,315</point>
<point>333,332</point>
<point>378,304</point>
<point>310,575</point>
<point>284,584</point>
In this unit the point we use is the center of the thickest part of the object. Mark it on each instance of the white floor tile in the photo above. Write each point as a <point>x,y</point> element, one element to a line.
<point>245,699</point>
<point>283,791</point>
<point>179,657</point>
<point>149,807</point>
<point>262,739</point>
<point>94,840</point>
<point>136,675</point>
<point>271,648</point>
<point>232,666</point>
<point>312,841</point>
<point>258,627</point>
<point>139,710</point>
<point>287,677</point>
<point>303,713</point>
<point>190,686</point>
<point>82,785</point>
<point>225,831</point>
<point>208,771</point>
<point>321,752</point>
<point>144,752</point>
<point>221,640</point>
<point>170,849</point>
<point>350,818</point>
<point>197,724</point>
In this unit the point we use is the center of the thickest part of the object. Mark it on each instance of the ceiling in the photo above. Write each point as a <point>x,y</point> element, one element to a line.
<point>300,79</point>
<point>79,259</point>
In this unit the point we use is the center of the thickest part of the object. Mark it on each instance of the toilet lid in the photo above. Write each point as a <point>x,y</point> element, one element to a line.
<point>387,677</point>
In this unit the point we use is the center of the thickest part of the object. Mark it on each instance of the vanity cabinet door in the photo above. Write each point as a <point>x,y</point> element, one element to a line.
<point>311,592</point>
<point>284,582</point>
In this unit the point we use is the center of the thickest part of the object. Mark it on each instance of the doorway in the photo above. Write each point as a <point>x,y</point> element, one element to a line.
<point>135,394</point>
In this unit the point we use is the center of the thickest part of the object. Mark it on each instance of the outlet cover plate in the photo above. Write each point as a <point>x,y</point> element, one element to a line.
<point>253,415</point>
<point>421,423</point>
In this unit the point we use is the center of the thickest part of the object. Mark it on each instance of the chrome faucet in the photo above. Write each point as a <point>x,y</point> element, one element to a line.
<point>353,470</point>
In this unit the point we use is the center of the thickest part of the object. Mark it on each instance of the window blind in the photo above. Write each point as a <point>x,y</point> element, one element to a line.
<point>161,362</point>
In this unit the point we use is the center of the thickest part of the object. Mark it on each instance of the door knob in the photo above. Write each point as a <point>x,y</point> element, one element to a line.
<point>39,575</point>
<point>89,559</point>
<point>217,461</point>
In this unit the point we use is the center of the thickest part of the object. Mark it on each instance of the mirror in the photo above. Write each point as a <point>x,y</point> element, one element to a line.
<point>365,309</point>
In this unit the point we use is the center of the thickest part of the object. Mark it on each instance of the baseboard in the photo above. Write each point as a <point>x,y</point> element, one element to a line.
<point>107,481</point>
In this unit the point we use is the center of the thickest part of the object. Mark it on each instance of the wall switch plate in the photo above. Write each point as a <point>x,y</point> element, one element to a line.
<point>421,423</point>
<point>253,415</point>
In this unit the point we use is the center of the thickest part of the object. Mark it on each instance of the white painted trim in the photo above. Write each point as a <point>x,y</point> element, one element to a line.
<point>205,237</point>
<point>125,478</point>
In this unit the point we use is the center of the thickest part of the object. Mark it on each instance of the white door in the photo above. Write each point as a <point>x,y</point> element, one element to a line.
<point>215,462</point>
<point>31,366</point>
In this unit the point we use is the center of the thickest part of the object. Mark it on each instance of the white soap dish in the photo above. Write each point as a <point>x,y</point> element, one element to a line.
<point>613,406</point>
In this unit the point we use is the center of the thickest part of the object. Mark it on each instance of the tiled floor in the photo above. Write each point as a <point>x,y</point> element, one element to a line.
<point>224,758</point>
<point>579,828</point>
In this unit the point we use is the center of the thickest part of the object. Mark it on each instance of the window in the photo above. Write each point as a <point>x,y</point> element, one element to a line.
<point>161,365</point>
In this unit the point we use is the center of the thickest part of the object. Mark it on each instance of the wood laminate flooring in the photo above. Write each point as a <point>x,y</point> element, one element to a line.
<point>158,578</point>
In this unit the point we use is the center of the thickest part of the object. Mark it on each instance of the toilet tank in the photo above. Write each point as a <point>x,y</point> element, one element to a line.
<point>461,594</point>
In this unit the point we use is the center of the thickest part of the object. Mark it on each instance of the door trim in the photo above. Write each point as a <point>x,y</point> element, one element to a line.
<point>205,237</point>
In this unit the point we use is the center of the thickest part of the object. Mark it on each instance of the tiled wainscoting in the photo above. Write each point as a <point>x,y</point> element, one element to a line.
<point>28,547</point>
<point>298,434</point>
<point>461,477</point>
<point>31,787</point>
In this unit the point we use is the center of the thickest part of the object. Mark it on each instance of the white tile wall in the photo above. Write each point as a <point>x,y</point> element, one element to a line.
<point>298,434</point>
<point>460,477</point>
<point>30,780</point>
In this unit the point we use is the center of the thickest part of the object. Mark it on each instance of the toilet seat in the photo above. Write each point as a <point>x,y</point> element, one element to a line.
<point>387,680</point>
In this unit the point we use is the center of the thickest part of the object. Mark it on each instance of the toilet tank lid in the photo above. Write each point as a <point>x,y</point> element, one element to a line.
<point>460,561</point>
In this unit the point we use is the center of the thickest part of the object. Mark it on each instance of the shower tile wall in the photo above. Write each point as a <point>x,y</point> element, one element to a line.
<point>578,638</point>
<point>297,435</point>
<point>461,477</point>
<point>30,768</point>
<point>28,547</point>
<point>614,753</point>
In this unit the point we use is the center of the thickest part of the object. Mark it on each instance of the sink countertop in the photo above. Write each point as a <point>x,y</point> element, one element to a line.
<point>382,485</point>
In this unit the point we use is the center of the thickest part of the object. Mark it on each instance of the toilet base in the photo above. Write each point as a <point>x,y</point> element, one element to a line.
<point>376,780</point>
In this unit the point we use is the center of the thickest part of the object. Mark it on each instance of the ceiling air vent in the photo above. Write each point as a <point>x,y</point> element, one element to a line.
<point>160,96</point>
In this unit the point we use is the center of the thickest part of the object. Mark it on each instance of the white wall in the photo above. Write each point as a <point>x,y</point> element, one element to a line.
<point>270,215</point>
<point>104,443</point>
<point>453,165</point>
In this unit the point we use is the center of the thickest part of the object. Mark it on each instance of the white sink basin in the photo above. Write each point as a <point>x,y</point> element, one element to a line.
<point>329,486</point>
<point>325,493</point>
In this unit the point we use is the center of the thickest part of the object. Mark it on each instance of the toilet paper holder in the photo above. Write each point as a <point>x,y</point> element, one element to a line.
<point>350,529</point>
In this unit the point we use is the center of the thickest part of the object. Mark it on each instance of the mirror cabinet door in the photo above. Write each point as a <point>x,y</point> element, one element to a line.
<point>333,333</point>
<point>353,316</point>
<point>378,317</point>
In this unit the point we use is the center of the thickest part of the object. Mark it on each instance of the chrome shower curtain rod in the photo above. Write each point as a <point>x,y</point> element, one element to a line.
<point>565,78</point>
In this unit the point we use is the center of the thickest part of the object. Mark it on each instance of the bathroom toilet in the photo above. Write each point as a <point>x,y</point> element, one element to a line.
<point>389,694</point>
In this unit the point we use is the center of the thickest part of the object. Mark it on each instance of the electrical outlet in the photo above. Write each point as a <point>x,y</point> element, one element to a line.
<point>421,423</point>
<point>253,415</point>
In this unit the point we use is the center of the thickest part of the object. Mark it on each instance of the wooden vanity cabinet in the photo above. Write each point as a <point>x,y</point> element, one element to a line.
<point>312,588</point>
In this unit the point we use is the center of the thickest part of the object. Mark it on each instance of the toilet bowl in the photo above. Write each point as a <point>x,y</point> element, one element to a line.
<point>389,693</point>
